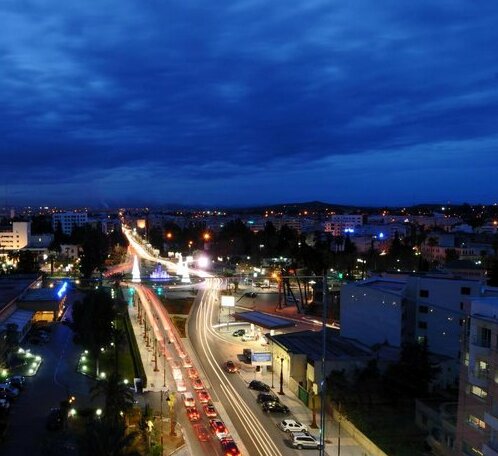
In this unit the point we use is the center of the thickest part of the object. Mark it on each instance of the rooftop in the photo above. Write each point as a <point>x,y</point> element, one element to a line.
<point>309,343</point>
<point>13,285</point>
<point>40,294</point>
<point>264,320</point>
<point>385,285</point>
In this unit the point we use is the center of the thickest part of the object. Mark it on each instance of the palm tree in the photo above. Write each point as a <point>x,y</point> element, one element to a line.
<point>118,397</point>
<point>109,439</point>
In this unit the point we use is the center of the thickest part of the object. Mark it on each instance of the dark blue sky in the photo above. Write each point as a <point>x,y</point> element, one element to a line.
<point>248,101</point>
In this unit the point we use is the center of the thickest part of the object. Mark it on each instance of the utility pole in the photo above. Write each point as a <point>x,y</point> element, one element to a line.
<point>323,379</point>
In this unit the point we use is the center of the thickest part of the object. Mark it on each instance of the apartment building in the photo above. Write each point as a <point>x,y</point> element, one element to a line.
<point>342,224</point>
<point>477,421</point>
<point>15,236</point>
<point>68,220</point>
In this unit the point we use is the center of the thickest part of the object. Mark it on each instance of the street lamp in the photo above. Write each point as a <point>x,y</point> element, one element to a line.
<point>281,376</point>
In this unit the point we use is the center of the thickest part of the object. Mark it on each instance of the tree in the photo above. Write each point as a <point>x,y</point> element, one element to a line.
<point>92,321</point>
<point>118,397</point>
<point>108,439</point>
<point>95,249</point>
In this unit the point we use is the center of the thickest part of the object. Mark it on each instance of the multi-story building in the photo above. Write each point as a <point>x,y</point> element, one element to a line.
<point>15,237</point>
<point>68,220</point>
<point>342,224</point>
<point>477,422</point>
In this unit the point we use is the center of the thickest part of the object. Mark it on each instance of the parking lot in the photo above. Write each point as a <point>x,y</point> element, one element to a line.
<point>55,380</point>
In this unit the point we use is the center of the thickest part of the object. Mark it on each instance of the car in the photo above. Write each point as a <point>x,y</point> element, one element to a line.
<point>192,373</point>
<point>238,332</point>
<point>187,362</point>
<point>302,440</point>
<point>180,385</point>
<point>250,294</point>
<point>8,391</point>
<point>17,381</point>
<point>193,414</point>
<point>188,399</point>
<point>230,367</point>
<point>275,407</point>
<point>247,354</point>
<point>4,405</point>
<point>248,337</point>
<point>197,383</point>
<point>55,419</point>
<point>229,447</point>
<point>267,397</point>
<point>292,426</point>
<point>203,396</point>
<point>210,411</point>
<point>218,428</point>
<point>259,386</point>
<point>202,433</point>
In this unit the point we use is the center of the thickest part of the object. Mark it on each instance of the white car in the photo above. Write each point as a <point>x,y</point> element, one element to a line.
<point>188,399</point>
<point>248,337</point>
<point>292,426</point>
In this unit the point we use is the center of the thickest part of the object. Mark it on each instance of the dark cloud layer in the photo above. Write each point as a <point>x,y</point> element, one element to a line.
<point>248,101</point>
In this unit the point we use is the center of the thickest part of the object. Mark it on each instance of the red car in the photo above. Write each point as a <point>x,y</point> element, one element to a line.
<point>202,433</point>
<point>192,373</point>
<point>193,414</point>
<point>210,411</point>
<point>230,367</point>
<point>219,428</point>
<point>203,396</point>
<point>229,447</point>
<point>197,384</point>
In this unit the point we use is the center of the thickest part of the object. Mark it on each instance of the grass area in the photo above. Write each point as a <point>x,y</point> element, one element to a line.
<point>179,323</point>
<point>392,429</point>
<point>177,305</point>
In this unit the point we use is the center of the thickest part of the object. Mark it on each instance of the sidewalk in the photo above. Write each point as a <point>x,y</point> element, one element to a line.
<point>349,447</point>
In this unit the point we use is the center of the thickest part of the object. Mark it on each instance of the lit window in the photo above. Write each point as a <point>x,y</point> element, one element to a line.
<point>476,422</point>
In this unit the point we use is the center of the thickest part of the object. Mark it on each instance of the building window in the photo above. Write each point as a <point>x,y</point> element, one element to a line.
<point>424,293</point>
<point>478,391</point>
<point>423,309</point>
<point>476,422</point>
<point>467,448</point>
<point>422,325</point>
<point>485,337</point>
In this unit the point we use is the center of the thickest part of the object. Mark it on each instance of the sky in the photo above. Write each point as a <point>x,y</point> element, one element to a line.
<point>242,102</point>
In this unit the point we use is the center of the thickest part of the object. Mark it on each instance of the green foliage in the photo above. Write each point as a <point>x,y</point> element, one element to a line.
<point>103,438</point>
<point>95,250</point>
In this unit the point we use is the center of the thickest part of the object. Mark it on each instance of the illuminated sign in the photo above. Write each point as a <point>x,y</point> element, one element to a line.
<point>261,358</point>
<point>62,290</point>
<point>227,301</point>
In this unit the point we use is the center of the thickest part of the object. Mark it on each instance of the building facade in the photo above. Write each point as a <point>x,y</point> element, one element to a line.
<point>15,237</point>
<point>68,220</point>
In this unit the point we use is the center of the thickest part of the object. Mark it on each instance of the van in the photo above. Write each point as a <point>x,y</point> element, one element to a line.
<point>302,440</point>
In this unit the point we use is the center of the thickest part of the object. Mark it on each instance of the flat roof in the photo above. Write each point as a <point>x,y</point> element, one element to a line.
<point>264,320</point>
<point>41,294</point>
<point>20,317</point>
<point>12,286</point>
<point>309,343</point>
<point>390,285</point>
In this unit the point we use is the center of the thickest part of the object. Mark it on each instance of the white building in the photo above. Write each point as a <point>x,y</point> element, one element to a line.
<point>342,224</point>
<point>15,237</point>
<point>68,220</point>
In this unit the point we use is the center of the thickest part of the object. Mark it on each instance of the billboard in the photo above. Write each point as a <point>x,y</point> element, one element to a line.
<point>261,358</point>
<point>227,301</point>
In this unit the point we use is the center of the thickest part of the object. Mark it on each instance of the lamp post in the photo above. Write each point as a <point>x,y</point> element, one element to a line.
<point>272,364</point>
<point>281,376</point>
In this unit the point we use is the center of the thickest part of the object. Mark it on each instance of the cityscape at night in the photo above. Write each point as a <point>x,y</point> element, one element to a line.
<point>248,228</point>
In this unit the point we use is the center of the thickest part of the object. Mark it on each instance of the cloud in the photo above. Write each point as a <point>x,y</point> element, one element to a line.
<point>205,91</point>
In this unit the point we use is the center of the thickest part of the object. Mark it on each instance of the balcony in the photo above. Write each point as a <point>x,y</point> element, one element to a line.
<point>490,449</point>
<point>480,346</point>
<point>491,420</point>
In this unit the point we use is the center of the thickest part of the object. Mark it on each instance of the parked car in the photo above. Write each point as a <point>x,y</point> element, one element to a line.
<point>4,405</point>
<point>248,337</point>
<point>239,332</point>
<point>292,426</point>
<point>55,419</point>
<point>229,447</point>
<point>259,386</point>
<point>17,381</point>
<point>267,397</point>
<point>275,407</point>
<point>247,354</point>
<point>8,391</point>
<point>302,440</point>
<point>230,367</point>
<point>250,294</point>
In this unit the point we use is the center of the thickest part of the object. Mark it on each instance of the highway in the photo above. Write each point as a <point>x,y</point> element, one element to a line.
<point>254,431</point>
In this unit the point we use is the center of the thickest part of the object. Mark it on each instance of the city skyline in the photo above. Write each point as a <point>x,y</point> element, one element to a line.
<point>111,104</point>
